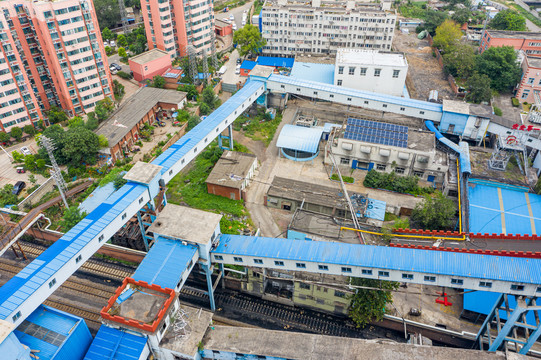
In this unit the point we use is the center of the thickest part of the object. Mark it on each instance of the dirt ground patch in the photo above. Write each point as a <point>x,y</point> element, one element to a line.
<point>424,73</point>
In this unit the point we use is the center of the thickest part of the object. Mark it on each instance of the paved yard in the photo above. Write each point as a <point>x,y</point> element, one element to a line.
<point>8,174</point>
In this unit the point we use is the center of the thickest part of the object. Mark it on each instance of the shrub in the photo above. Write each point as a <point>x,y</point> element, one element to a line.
<point>347,179</point>
<point>124,75</point>
<point>515,102</point>
<point>497,111</point>
<point>393,182</point>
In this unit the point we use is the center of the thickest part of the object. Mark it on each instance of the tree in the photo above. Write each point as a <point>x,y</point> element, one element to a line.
<point>92,121</point>
<point>108,13</point>
<point>459,60</point>
<point>56,134</point>
<point>192,122</point>
<point>121,40</point>
<point>433,20</point>
<point>102,141</point>
<point>448,34</point>
<point>79,146</point>
<point>368,305</point>
<point>204,109</point>
<point>508,20</point>
<point>190,90</point>
<point>249,40</point>
<point>462,15</point>
<point>56,115</point>
<point>434,213</point>
<point>104,108</point>
<point>40,164</point>
<point>32,179</point>
<point>158,82</point>
<point>183,116</point>
<point>76,121</point>
<point>17,156</point>
<point>209,97</point>
<point>500,65</point>
<point>119,181</point>
<point>6,196</point>
<point>30,162</point>
<point>29,129</point>
<point>4,136</point>
<point>16,133</point>
<point>122,52</point>
<point>118,90</point>
<point>71,217</point>
<point>109,50</point>
<point>478,87</point>
<point>107,34</point>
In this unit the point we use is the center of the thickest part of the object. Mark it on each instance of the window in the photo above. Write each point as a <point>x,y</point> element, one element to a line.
<point>331,95</point>
<point>16,316</point>
<point>339,82</point>
<point>538,289</point>
<point>346,269</point>
<point>384,105</point>
<point>399,170</point>
<point>363,72</point>
<point>430,278</point>
<point>351,70</point>
<point>366,272</point>
<point>279,263</point>
<point>237,259</point>
<point>339,294</point>
<point>140,200</point>
<point>525,94</point>
<point>344,161</point>
<point>349,99</point>
<point>195,150</point>
<point>218,257</point>
<point>457,281</point>
<point>283,86</point>
<point>258,261</point>
<point>124,216</point>
<point>52,283</point>
<point>402,109</point>
<point>304,286</point>
<point>366,102</point>
<point>383,273</point>
<point>315,92</point>
<point>419,174</point>
<point>421,112</point>
<point>340,70</point>
<point>530,80</point>
<point>377,72</point>
<point>516,287</point>
<point>100,239</point>
<point>407,276</point>
<point>485,284</point>
<point>301,266</point>
<point>78,258</point>
<point>381,167</point>
<point>396,73</point>
<point>323,267</point>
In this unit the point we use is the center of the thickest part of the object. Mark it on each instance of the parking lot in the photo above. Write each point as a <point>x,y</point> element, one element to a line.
<point>8,172</point>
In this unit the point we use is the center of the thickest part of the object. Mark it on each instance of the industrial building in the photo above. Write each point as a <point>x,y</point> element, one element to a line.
<point>468,120</point>
<point>232,174</point>
<point>299,143</point>
<point>321,27</point>
<point>172,25</point>
<point>123,127</point>
<point>529,42</point>
<point>365,144</point>
<point>51,54</point>
<point>371,70</point>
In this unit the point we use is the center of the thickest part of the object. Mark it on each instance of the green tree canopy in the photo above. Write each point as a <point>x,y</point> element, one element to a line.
<point>462,15</point>
<point>56,115</point>
<point>459,60</point>
<point>433,20</point>
<point>434,213</point>
<point>158,82</point>
<point>369,305</point>
<point>16,132</point>
<point>500,65</point>
<point>249,40</point>
<point>102,141</point>
<point>478,87</point>
<point>122,52</point>
<point>71,217</point>
<point>4,136</point>
<point>107,34</point>
<point>108,13</point>
<point>204,109</point>
<point>209,97</point>
<point>29,129</point>
<point>6,196</point>
<point>80,145</point>
<point>30,162</point>
<point>92,121</point>
<point>121,40</point>
<point>76,121</point>
<point>190,89</point>
<point>448,34</point>
<point>508,20</point>
<point>55,133</point>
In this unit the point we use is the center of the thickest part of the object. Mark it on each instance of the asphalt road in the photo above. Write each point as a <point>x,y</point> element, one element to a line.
<point>237,13</point>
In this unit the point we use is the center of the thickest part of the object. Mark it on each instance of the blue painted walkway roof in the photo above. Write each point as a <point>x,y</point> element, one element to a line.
<point>39,271</point>
<point>97,197</point>
<point>299,138</point>
<point>186,143</point>
<point>502,268</point>
<point>165,263</point>
<point>113,344</point>
<point>322,73</point>
<point>275,61</point>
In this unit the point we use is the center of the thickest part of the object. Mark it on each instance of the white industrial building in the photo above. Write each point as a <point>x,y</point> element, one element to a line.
<point>371,70</point>
<point>321,27</point>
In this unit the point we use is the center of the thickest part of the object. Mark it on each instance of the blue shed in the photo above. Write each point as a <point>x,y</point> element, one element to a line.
<point>56,334</point>
<point>299,143</point>
<point>275,61</point>
<point>117,344</point>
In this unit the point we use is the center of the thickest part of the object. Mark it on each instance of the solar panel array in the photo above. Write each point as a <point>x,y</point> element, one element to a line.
<point>376,132</point>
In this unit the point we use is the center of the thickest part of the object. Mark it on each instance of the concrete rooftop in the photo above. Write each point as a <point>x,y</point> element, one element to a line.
<point>149,56</point>
<point>231,169</point>
<point>184,223</point>
<point>142,172</point>
<point>370,57</point>
<point>263,71</point>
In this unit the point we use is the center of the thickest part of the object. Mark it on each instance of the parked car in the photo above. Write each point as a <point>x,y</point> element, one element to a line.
<point>239,61</point>
<point>26,151</point>
<point>115,66</point>
<point>234,26</point>
<point>20,170</point>
<point>112,44</point>
<point>105,43</point>
<point>19,186</point>
<point>237,71</point>
<point>231,17</point>
<point>243,22</point>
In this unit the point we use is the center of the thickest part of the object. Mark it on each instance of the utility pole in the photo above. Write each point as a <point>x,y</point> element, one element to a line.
<point>123,16</point>
<point>48,145</point>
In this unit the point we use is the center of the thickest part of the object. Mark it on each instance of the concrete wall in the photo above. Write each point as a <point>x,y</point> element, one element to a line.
<point>36,196</point>
<point>227,192</point>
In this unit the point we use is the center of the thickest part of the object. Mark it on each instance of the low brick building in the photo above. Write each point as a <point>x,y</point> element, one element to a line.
<point>149,64</point>
<point>529,42</point>
<point>123,128</point>
<point>530,81</point>
<point>231,175</point>
<point>223,28</point>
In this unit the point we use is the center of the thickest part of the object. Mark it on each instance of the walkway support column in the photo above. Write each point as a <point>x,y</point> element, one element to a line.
<point>208,272</point>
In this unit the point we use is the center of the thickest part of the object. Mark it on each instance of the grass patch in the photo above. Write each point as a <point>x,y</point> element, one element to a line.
<point>347,179</point>
<point>415,9</point>
<point>260,127</point>
<point>191,189</point>
<point>390,216</point>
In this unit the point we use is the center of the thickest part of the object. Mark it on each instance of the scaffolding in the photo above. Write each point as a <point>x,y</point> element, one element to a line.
<point>49,146</point>
<point>192,63</point>
<point>205,67</point>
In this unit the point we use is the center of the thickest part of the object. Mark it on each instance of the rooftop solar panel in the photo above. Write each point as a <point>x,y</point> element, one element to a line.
<point>376,132</point>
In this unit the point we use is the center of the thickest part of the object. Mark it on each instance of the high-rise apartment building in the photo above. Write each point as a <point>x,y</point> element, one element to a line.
<point>172,25</point>
<point>51,54</point>
<point>321,27</point>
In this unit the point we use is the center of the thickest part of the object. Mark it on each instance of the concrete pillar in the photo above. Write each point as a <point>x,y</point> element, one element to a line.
<point>142,227</point>
<point>222,280</point>
<point>230,129</point>
<point>208,273</point>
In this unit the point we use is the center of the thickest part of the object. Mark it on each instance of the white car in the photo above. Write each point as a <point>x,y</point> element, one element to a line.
<point>237,71</point>
<point>105,43</point>
<point>113,43</point>
<point>231,17</point>
<point>234,26</point>
<point>25,151</point>
<point>243,22</point>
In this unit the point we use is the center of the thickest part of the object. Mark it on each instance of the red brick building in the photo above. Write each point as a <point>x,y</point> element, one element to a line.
<point>231,175</point>
<point>223,28</point>
<point>149,64</point>
<point>123,128</point>
<point>529,42</point>
<point>531,79</point>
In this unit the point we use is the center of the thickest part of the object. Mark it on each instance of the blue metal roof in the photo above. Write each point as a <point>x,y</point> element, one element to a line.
<point>275,61</point>
<point>165,263</point>
<point>482,302</point>
<point>113,344</point>
<point>300,138</point>
<point>248,65</point>
<point>97,197</point>
<point>322,73</point>
<point>12,346</point>
<point>39,271</point>
<point>206,127</point>
<point>423,105</point>
<point>501,268</point>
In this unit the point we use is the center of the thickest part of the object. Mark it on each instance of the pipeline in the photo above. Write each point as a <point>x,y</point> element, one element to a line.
<point>433,237</point>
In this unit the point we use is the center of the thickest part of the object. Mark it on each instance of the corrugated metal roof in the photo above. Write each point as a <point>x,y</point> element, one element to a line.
<point>248,65</point>
<point>165,263</point>
<point>299,138</point>
<point>321,73</point>
<point>113,344</point>
<point>396,100</point>
<point>501,268</point>
<point>482,302</point>
<point>39,271</point>
<point>275,61</point>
